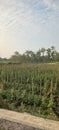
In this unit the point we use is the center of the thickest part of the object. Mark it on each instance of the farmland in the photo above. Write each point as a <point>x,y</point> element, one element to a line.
<point>32,88</point>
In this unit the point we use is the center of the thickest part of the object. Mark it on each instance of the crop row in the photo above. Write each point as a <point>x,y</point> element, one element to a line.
<point>30,88</point>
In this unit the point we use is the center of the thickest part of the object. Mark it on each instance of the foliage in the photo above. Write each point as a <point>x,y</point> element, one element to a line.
<point>43,55</point>
<point>30,87</point>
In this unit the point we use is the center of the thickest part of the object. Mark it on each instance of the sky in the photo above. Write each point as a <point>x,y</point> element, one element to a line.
<point>28,25</point>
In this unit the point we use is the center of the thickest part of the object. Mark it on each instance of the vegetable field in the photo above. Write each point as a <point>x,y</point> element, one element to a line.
<point>32,88</point>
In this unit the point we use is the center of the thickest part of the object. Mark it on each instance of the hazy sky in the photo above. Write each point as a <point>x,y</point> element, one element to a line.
<point>28,25</point>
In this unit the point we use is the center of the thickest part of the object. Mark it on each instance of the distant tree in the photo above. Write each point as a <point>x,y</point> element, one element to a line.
<point>43,54</point>
<point>49,54</point>
<point>16,57</point>
<point>38,55</point>
<point>53,52</point>
<point>57,57</point>
<point>16,53</point>
<point>29,55</point>
<point>43,51</point>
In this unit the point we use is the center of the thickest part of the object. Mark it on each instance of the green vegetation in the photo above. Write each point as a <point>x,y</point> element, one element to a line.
<point>43,55</point>
<point>32,88</point>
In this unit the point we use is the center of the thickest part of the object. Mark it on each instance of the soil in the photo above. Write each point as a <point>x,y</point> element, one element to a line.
<point>10,120</point>
<point>8,125</point>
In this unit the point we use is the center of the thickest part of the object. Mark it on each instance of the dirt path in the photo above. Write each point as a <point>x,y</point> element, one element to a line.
<point>27,119</point>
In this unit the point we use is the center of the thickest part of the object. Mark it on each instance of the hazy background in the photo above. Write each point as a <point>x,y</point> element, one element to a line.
<point>28,25</point>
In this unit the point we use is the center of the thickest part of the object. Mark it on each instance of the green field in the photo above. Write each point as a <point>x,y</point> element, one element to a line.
<point>32,88</point>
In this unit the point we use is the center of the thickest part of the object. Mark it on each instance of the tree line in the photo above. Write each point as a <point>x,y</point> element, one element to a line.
<point>43,55</point>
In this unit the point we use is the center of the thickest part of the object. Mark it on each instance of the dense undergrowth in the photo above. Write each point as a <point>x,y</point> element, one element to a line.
<point>32,88</point>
